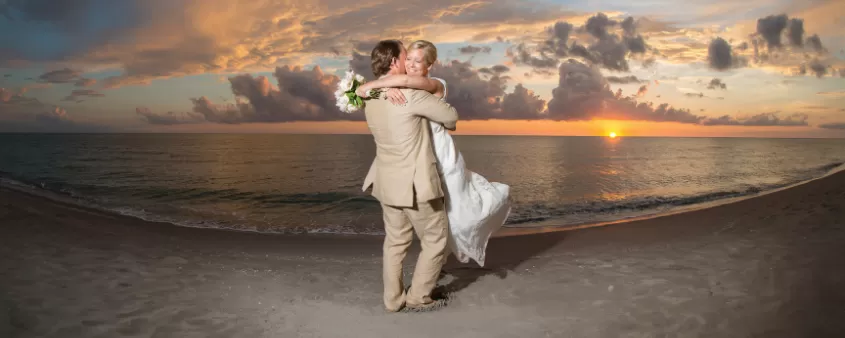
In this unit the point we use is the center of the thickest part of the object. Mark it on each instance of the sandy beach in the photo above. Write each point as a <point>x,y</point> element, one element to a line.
<point>770,266</point>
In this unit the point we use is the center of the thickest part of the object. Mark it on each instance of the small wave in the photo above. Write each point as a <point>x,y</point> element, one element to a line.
<point>142,214</point>
<point>590,210</point>
<point>242,226</point>
<point>540,213</point>
<point>831,167</point>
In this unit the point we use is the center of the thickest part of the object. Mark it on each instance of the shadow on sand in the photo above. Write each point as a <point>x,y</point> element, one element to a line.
<point>504,254</point>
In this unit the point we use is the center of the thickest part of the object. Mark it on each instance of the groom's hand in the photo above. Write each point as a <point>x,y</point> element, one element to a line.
<point>362,93</point>
<point>396,97</point>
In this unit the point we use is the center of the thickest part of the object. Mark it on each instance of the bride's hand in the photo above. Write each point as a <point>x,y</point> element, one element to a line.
<point>396,97</point>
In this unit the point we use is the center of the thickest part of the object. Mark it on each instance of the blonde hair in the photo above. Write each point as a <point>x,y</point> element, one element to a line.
<point>429,51</point>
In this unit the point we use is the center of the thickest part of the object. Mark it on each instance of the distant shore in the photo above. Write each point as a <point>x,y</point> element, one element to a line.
<point>766,266</point>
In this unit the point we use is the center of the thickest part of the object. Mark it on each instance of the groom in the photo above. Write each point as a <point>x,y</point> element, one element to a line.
<point>405,180</point>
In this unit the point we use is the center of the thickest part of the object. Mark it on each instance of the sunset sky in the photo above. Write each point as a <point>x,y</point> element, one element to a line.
<point>757,68</point>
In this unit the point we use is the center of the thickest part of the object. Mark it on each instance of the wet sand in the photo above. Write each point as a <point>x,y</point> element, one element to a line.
<point>771,266</point>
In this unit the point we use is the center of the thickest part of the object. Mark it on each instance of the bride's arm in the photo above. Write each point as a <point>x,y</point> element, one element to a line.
<point>405,81</point>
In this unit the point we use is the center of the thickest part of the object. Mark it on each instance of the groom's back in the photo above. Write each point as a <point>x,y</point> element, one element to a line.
<point>405,162</point>
<point>394,127</point>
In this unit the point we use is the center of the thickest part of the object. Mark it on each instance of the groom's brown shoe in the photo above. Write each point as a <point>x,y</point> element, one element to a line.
<point>427,307</point>
<point>439,301</point>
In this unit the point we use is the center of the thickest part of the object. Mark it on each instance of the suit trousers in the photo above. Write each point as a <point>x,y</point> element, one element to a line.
<point>429,221</point>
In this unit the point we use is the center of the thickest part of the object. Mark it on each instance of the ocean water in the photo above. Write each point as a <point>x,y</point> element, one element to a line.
<point>312,183</point>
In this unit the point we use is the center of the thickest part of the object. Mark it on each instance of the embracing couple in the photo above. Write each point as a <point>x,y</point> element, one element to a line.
<point>419,176</point>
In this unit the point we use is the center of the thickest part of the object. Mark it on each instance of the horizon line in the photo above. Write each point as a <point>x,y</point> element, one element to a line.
<point>350,134</point>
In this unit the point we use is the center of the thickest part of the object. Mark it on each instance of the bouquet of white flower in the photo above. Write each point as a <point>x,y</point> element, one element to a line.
<point>347,100</point>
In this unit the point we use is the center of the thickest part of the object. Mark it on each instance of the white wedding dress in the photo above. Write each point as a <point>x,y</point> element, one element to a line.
<point>476,208</point>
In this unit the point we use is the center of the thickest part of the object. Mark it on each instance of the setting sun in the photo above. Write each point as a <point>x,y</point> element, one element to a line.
<point>612,135</point>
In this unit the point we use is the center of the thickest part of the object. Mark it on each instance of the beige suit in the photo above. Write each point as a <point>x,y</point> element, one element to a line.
<point>405,180</point>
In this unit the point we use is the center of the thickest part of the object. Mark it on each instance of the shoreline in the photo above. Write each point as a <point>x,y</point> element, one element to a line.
<point>766,266</point>
<point>516,231</point>
<point>533,228</point>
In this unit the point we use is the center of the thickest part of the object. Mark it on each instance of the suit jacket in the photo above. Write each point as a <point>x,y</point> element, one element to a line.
<point>405,163</point>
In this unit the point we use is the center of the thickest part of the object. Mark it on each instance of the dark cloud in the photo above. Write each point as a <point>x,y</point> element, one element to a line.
<point>815,66</point>
<point>580,93</point>
<point>764,119</point>
<point>582,52</point>
<point>360,64</point>
<point>796,32</point>
<point>82,93</point>
<point>628,26</point>
<point>500,69</point>
<point>497,69</point>
<point>836,125</point>
<point>717,83</point>
<point>771,28</point>
<point>522,104</point>
<point>624,79</point>
<point>559,38</point>
<point>636,44</point>
<point>584,94</point>
<point>611,53</point>
<point>771,31</point>
<point>228,113</point>
<point>472,95</point>
<point>521,55</point>
<point>65,75</point>
<point>816,43</point>
<point>609,50</point>
<point>302,95</point>
<point>598,25</point>
<point>169,118</point>
<point>475,49</point>
<point>721,57</point>
<point>818,68</point>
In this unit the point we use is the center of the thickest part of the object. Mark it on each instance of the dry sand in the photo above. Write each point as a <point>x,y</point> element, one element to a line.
<point>772,266</point>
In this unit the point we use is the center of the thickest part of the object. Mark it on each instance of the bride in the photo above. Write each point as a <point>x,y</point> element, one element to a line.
<point>476,208</point>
